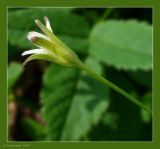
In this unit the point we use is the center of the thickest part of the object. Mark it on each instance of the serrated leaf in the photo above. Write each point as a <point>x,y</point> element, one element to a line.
<point>71,112</point>
<point>64,23</point>
<point>58,88</point>
<point>122,44</point>
<point>89,103</point>
<point>14,71</point>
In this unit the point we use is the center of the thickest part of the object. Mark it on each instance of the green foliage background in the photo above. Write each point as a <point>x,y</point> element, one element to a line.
<point>52,102</point>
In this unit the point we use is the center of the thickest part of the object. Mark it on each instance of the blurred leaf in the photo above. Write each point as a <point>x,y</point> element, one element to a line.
<point>14,71</point>
<point>147,100</point>
<point>80,44</point>
<point>142,77</point>
<point>64,23</point>
<point>129,119</point>
<point>59,85</point>
<point>111,119</point>
<point>71,112</point>
<point>124,120</point>
<point>33,129</point>
<point>18,37</point>
<point>89,103</point>
<point>123,44</point>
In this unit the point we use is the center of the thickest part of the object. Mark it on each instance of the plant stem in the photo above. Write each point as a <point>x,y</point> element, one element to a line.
<point>106,14</point>
<point>111,85</point>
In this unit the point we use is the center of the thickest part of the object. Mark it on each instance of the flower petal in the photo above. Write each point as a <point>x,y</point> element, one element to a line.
<point>43,43</point>
<point>32,35</point>
<point>48,23</point>
<point>47,57</point>
<point>35,51</point>
<point>48,33</point>
<point>38,56</point>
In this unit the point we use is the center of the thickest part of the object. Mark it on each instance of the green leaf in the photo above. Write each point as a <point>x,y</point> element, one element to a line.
<point>64,23</point>
<point>71,108</point>
<point>89,103</point>
<point>147,100</point>
<point>14,71</point>
<point>122,44</point>
<point>59,85</point>
<point>33,129</point>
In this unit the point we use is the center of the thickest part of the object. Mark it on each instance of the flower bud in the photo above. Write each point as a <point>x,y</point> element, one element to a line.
<point>50,48</point>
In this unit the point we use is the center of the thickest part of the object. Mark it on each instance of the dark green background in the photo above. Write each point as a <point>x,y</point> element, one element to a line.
<point>3,72</point>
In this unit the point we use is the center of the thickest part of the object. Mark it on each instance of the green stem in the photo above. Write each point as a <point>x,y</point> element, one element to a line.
<point>106,14</point>
<point>111,85</point>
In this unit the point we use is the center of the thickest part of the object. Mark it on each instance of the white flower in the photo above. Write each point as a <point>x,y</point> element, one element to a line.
<point>50,48</point>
